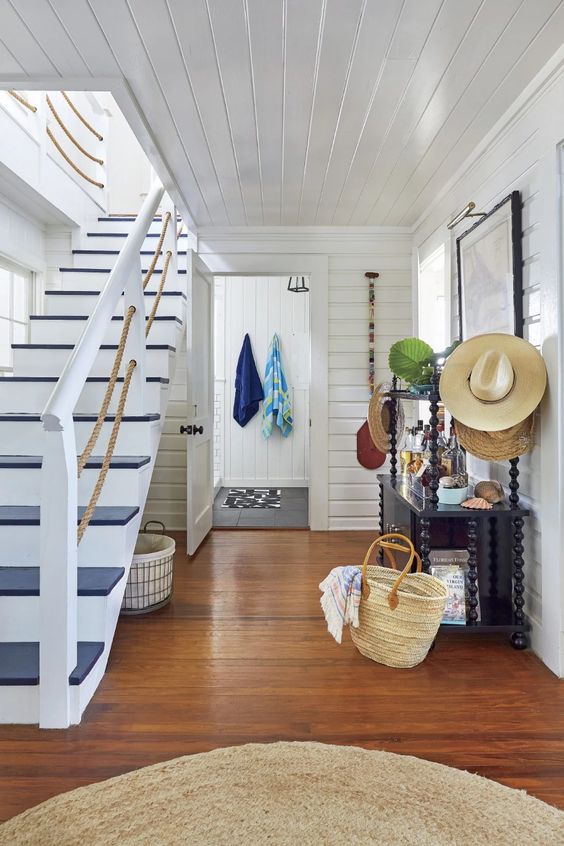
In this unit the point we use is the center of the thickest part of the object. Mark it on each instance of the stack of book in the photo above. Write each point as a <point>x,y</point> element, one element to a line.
<point>451,567</point>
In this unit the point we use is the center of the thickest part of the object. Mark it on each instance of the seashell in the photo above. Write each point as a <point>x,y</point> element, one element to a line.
<point>491,491</point>
<point>477,503</point>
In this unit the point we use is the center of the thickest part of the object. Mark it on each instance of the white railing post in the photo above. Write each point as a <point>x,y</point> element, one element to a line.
<point>135,344</point>
<point>58,576</point>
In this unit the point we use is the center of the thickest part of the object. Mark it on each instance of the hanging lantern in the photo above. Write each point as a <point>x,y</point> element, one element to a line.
<point>296,286</point>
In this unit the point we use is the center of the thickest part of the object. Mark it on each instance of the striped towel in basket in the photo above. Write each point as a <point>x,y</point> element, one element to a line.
<point>341,599</point>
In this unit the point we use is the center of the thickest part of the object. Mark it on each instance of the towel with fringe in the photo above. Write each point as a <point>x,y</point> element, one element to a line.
<point>341,599</point>
<point>277,407</point>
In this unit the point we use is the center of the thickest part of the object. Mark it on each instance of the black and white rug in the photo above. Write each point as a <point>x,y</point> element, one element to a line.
<point>252,498</point>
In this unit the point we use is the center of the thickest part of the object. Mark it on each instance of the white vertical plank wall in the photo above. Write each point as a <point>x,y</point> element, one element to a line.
<point>262,306</point>
<point>523,154</point>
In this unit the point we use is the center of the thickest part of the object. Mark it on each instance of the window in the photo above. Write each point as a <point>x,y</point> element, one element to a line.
<point>433,305</point>
<point>15,295</point>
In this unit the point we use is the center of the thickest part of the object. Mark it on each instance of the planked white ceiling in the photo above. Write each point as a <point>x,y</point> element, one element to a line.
<point>346,112</point>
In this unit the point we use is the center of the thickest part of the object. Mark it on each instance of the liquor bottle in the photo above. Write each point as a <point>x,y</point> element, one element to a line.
<point>416,457</point>
<point>405,450</point>
<point>442,443</point>
<point>426,444</point>
<point>453,457</point>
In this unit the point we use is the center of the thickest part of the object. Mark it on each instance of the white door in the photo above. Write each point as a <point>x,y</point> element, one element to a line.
<point>199,422</point>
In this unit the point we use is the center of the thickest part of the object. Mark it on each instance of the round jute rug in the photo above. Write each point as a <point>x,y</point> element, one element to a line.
<point>290,793</point>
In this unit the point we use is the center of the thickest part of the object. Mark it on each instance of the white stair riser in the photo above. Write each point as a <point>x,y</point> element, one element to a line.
<point>51,362</point>
<point>70,304</point>
<point>134,438</point>
<point>83,281</point>
<point>109,242</point>
<point>23,485</point>
<point>126,226</point>
<point>97,257</point>
<point>31,397</point>
<point>19,546</point>
<point>69,331</point>
<point>19,704</point>
<point>19,617</point>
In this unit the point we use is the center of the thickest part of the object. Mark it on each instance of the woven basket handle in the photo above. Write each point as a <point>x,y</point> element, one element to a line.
<point>386,543</point>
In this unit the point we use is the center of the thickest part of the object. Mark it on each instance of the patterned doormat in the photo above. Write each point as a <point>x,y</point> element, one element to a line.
<point>252,498</point>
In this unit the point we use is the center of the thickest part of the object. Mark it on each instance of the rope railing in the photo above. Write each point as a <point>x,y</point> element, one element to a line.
<point>74,166</point>
<point>22,100</point>
<point>88,449</point>
<point>87,516</point>
<point>81,117</point>
<point>69,134</point>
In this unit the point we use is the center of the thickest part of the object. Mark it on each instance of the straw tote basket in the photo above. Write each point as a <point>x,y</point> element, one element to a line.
<point>400,613</point>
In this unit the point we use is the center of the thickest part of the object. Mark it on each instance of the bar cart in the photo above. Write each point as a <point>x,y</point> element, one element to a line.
<point>493,538</point>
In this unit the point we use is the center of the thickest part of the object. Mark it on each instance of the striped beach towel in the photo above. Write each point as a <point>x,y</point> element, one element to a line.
<point>341,599</point>
<point>277,407</point>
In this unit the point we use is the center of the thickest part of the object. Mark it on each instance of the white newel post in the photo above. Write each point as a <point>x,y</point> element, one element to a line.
<point>135,344</point>
<point>58,576</point>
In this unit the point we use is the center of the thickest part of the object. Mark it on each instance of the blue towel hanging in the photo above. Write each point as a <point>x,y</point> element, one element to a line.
<point>248,387</point>
<point>277,407</point>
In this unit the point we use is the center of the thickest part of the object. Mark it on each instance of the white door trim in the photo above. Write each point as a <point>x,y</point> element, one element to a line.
<point>317,268</point>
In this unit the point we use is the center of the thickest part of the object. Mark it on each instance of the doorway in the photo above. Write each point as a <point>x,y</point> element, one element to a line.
<point>260,482</point>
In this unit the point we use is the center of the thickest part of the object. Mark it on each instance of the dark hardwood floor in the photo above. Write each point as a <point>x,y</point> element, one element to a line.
<point>242,654</point>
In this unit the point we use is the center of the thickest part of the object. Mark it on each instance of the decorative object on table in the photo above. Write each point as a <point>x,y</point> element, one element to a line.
<point>498,446</point>
<point>297,285</point>
<point>149,584</point>
<point>248,387</point>
<point>380,420</point>
<point>371,275</point>
<point>412,360</point>
<point>277,407</point>
<point>400,613</point>
<point>490,490</point>
<point>490,275</point>
<point>367,454</point>
<point>453,490</point>
<point>458,558</point>
<point>493,382</point>
<point>341,599</point>
<point>252,498</point>
<point>477,503</point>
<point>452,577</point>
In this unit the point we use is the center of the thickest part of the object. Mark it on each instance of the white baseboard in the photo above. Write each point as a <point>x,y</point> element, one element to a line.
<point>265,483</point>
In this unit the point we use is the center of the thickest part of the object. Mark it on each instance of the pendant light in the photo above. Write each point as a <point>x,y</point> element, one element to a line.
<point>296,286</point>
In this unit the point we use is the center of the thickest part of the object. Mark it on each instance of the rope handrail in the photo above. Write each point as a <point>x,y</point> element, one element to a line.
<point>81,117</point>
<point>87,516</point>
<point>69,134</point>
<point>179,230</point>
<point>156,254</point>
<point>71,163</point>
<point>22,100</point>
<point>87,451</point>
<point>159,293</point>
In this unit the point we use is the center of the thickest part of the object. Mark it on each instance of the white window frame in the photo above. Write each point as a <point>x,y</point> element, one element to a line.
<point>15,269</point>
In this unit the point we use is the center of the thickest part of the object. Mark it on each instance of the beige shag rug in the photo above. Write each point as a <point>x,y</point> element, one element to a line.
<point>290,793</point>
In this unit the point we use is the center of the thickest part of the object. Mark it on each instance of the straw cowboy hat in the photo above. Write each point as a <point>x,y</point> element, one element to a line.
<point>493,382</point>
<point>498,446</point>
<point>380,417</point>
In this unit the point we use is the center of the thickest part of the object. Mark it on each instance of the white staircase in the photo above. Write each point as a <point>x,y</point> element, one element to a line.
<point>59,604</point>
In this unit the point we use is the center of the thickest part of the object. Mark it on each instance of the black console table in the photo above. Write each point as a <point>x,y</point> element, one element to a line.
<point>493,538</point>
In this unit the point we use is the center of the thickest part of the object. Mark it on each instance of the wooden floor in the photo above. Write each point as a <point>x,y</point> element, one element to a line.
<point>242,654</point>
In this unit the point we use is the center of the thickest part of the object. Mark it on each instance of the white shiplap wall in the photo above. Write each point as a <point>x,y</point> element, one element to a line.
<point>522,154</point>
<point>262,306</point>
<point>353,493</point>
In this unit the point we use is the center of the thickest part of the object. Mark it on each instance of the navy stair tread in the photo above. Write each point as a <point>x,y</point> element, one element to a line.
<point>97,294</point>
<point>105,270</point>
<point>34,462</point>
<point>87,317</point>
<point>30,417</point>
<point>162,379</point>
<point>72,346</point>
<point>104,515</point>
<point>116,252</point>
<point>112,218</point>
<point>19,662</point>
<point>92,581</point>
<point>125,234</point>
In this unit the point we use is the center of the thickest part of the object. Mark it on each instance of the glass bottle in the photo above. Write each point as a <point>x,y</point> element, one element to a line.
<point>405,450</point>
<point>442,443</point>
<point>416,456</point>
<point>453,457</point>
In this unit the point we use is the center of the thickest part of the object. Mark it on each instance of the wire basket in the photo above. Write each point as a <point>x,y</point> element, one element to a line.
<point>149,585</point>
